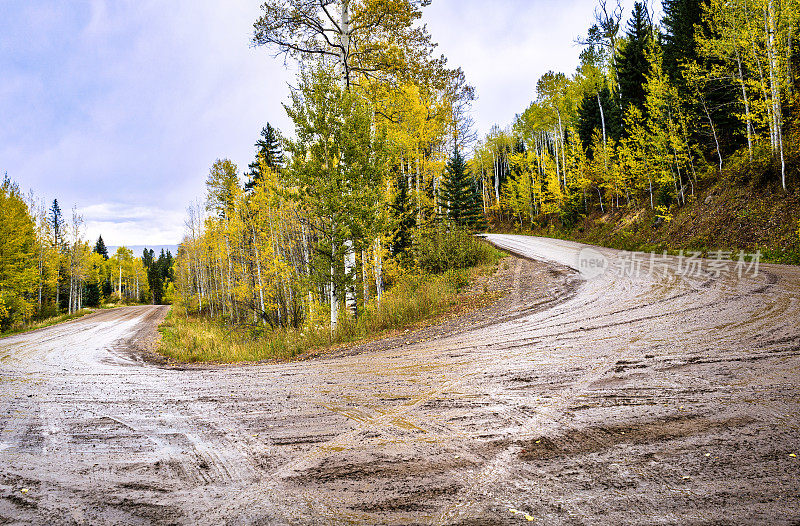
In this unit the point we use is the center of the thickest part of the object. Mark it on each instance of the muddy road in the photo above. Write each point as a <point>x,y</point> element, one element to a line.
<point>621,398</point>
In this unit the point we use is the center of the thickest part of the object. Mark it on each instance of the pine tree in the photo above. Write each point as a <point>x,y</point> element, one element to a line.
<point>100,248</point>
<point>457,194</point>
<point>268,154</point>
<point>402,217</point>
<point>57,227</point>
<point>678,39</point>
<point>631,60</point>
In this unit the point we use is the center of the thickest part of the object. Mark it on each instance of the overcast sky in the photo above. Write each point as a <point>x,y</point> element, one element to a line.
<point>120,107</point>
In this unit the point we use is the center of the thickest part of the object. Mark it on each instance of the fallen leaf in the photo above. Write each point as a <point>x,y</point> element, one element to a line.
<point>24,490</point>
<point>529,517</point>
<point>792,455</point>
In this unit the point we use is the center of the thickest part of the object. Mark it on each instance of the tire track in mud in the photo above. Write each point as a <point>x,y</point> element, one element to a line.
<point>624,382</point>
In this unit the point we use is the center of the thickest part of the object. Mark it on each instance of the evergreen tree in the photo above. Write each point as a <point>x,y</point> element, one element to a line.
<point>269,151</point>
<point>678,39</point>
<point>631,60</point>
<point>57,227</point>
<point>590,119</point>
<point>57,224</point>
<point>403,217</point>
<point>100,248</point>
<point>709,96</point>
<point>457,194</point>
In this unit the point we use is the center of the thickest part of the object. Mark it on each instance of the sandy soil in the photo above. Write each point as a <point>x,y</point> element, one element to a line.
<point>649,399</point>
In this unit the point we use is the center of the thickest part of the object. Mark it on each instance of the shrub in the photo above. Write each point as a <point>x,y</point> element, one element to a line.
<point>440,249</point>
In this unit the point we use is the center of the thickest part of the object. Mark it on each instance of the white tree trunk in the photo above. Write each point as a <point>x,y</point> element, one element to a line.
<point>364,278</point>
<point>769,22</point>
<point>349,266</point>
<point>748,122</point>
<point>378,271</point>
<point>334,300</point>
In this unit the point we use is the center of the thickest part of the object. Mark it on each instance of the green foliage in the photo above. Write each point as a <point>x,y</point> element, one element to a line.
<point>440,249</point>
<point>631,61</point>
<point>678,37</point>
<point>222,186</point>
<point>100,248</point>
<point>269,156</point>
<point>337,164</point>
<point>402,217</point>
<point>458,194</point>
<point>159,274</point>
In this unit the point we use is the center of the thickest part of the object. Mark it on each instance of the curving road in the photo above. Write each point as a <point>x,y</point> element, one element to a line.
<point>641,394</point>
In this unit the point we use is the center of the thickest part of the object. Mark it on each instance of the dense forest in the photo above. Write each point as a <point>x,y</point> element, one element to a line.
<point>374,174</point>
<point>47,268</point>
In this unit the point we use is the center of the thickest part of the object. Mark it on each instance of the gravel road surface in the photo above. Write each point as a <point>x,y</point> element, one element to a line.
<point>631,393</point>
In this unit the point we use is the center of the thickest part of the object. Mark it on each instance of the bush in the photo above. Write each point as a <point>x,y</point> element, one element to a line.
<point>440,249</point>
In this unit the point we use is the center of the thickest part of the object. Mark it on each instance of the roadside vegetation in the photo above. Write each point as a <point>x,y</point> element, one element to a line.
<point>48,271</point>
<point>435,287</point>
<point>724,217</point>
<point>47,322</point>
<point>357,223</point>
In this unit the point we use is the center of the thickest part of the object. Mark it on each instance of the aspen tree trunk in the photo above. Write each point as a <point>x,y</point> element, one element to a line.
<point>333,298</point>
<point>748,122</point>
<point>713,132</point>
<point>650,181</point>
<point>260,281</point>
<point>563,154</point>
<point>769,23</point>
<point>58,279</point>
<point>602,118</point>
<point>555,157</point>
<point>484,197</point>
<point>344,40</point>
<point>772,136</point>
<point>349,266</point>
<point>378,271</point>
<point>41,273</point>
<point>307,256</point>
<point>419,195</point>
<point>496,178</point>
<point>364,278</point>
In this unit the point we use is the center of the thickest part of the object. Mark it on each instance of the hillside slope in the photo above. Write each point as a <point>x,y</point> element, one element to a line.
<point>723,216</point>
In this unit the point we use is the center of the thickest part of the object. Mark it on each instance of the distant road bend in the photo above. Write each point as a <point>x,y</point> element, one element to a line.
<point>631,398</point>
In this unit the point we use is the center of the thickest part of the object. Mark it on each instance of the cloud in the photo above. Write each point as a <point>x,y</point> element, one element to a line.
<point>131,102</point>
<point>128,103</point>
<point>132,225</point>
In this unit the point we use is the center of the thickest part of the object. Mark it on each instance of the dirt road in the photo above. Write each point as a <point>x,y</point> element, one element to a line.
<point>624,398</point>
